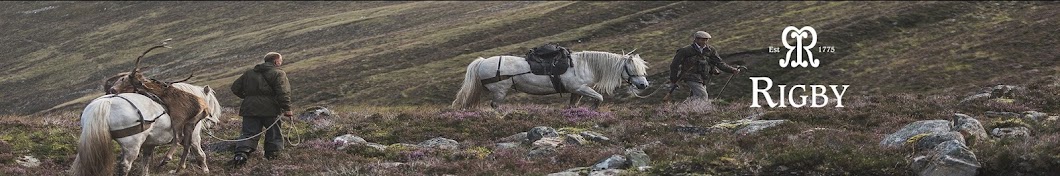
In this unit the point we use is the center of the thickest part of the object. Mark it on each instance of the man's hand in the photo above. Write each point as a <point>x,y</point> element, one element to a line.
<point>288,113</point>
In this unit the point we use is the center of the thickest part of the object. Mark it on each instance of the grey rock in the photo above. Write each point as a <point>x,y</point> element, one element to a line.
<point>440,143</point>
<point>350,139</point>
<point>613,162</point>
<point>28,161</point>
<point>574,139</point>
<point>1002,114</point>
<point>541,152</point>
<point>539,132</point>
<point>564,174</point>
<point>507,145</point>
<point>518,137</point>
<point>1011,132</point>
<point>379,147</point>
<point>897,139</point>
<point>1035,115</point>
<point>637,158</point>
<point>549,142</point>
<point>608,172</point>
<point>391,164</point>
<point>975,97</point>
<point>968,125</point>
<point>934,139</point>
<point>579,169</point>
<point>753,127</point>
<point>314,113</point>
<point>950,158</point>
<point>594,136</point>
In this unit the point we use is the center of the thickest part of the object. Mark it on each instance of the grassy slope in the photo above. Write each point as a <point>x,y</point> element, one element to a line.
<point>355,53</point>
<point>411,55</point>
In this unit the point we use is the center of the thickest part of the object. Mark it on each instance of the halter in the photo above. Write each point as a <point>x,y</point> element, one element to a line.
<point>629,75</point>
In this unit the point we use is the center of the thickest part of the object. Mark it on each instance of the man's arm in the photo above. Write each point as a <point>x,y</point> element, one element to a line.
<point>237,86</point>
<point>675,66</point>
<point>715,60</point>
<point>283,91</point>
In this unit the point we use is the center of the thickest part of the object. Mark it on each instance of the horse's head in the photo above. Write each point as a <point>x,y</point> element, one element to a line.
<point>636,71</point>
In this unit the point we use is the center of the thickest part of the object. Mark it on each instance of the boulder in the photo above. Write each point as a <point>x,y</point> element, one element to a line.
<point>548,142</point>
<point>564,173</point>
<point>541,152</point>
<point>506,145</point>
<point>637,158</point>
<point>1011,132</point>
<point>379,147</point>
<point>1002,114</point>
<point>975,97</point>
<point>608,172</point>
<point>440,143</point>
<point>540,132</point>
<point>28,161</point>
<point>971,127</point>
<point>575,139</point>
<point>594,136</point>
<point>518,137</point>
<point>950,158</point>
<point>1035,115</point>
<point>899,138</point>
<point>349,139</point>
<point>753,127</point>
<point>745,126</point>
<point>929,141</point>
<point>613,162</point>
<point>314,113</point>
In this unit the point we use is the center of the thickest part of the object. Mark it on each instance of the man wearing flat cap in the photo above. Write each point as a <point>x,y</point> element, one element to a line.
<point>692,64</point>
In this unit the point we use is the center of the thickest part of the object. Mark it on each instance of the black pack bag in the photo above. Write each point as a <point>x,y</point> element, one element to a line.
<point>549,59</point>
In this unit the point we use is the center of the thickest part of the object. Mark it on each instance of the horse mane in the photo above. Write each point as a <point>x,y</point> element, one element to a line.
<point>608,68</point>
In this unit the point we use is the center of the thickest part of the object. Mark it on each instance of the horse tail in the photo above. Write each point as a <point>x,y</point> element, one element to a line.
<point>94,154</point>
<point>471,90</point>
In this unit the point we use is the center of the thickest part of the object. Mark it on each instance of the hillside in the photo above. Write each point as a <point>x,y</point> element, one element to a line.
<point>413,53</point>
<point>389,70</point>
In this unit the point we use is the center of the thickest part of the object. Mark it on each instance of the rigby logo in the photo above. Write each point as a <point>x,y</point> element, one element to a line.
<point>798,49</point>
<point>817,97</point>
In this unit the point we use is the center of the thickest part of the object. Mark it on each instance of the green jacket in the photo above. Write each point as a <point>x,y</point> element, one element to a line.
<point>696,66</point>
<point>264,90</point>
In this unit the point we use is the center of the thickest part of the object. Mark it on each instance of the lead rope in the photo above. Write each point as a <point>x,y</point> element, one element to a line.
<point>286,135</point>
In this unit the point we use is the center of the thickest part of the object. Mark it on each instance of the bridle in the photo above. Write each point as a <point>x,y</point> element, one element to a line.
<point>629,74</point>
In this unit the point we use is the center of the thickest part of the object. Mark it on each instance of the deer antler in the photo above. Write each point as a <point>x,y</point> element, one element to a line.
<point>185,79</point>
<point>133,80</point>
<point>163,45</point>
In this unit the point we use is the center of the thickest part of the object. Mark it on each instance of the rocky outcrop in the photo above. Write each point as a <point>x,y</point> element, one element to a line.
<point>899,138</point>
<point>440,143</point>
<point>950,158</point>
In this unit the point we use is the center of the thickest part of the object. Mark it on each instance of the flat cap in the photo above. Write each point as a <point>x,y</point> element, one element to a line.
<point>701,34</point>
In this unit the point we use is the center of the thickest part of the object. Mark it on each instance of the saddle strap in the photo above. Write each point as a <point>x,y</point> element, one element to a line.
<point>133,130</point>
<point>557,84</point>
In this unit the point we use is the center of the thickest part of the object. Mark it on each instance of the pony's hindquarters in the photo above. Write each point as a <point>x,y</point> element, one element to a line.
<point>471,90</point>
<point>94,153</point>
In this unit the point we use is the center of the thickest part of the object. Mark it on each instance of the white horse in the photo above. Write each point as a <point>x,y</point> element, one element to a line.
<point>120,111</point>
<point>593,72</point>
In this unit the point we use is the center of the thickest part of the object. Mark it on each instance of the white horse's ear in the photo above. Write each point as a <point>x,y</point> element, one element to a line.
<point>206,90</point>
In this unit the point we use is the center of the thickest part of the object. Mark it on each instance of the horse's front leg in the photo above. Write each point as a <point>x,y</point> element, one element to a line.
<point>196,143</point>
<point>574,99</point>
<point>589,92</point>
